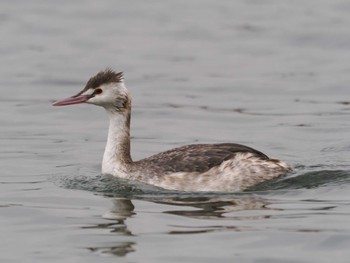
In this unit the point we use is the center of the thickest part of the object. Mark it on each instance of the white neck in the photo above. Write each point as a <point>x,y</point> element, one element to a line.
<point>116,158</point>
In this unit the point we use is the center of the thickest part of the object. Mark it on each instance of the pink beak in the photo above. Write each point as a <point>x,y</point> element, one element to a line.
<point>72,100</point>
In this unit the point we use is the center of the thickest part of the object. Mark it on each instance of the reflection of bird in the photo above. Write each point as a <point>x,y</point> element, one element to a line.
<point>200,167</point>
<point>122,209</point>
<point>216,207</point>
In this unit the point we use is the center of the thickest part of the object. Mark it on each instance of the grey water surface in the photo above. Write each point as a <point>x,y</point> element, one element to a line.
<point>274,75</point>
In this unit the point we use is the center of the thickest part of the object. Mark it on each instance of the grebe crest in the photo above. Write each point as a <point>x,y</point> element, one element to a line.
<point>198,167</point>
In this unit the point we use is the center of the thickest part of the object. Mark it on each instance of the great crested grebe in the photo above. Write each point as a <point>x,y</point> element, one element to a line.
<point>198,167</point>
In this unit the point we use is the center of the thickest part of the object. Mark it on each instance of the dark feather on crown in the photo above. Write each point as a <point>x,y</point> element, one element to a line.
<point>104,77</point>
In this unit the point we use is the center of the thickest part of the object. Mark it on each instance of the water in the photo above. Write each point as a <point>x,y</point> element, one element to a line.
<point>270,74</point>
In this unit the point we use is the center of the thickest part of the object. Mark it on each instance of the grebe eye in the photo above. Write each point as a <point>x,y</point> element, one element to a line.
<point>97,91</point>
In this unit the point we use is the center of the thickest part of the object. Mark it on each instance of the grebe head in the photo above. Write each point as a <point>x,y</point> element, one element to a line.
<point>105,89</point>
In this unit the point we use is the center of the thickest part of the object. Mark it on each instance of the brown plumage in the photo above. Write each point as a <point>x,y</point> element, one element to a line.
<point>197,157</point>
<point>198,167</point>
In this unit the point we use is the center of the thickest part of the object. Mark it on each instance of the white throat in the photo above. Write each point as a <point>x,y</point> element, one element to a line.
<point>116,157</point>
